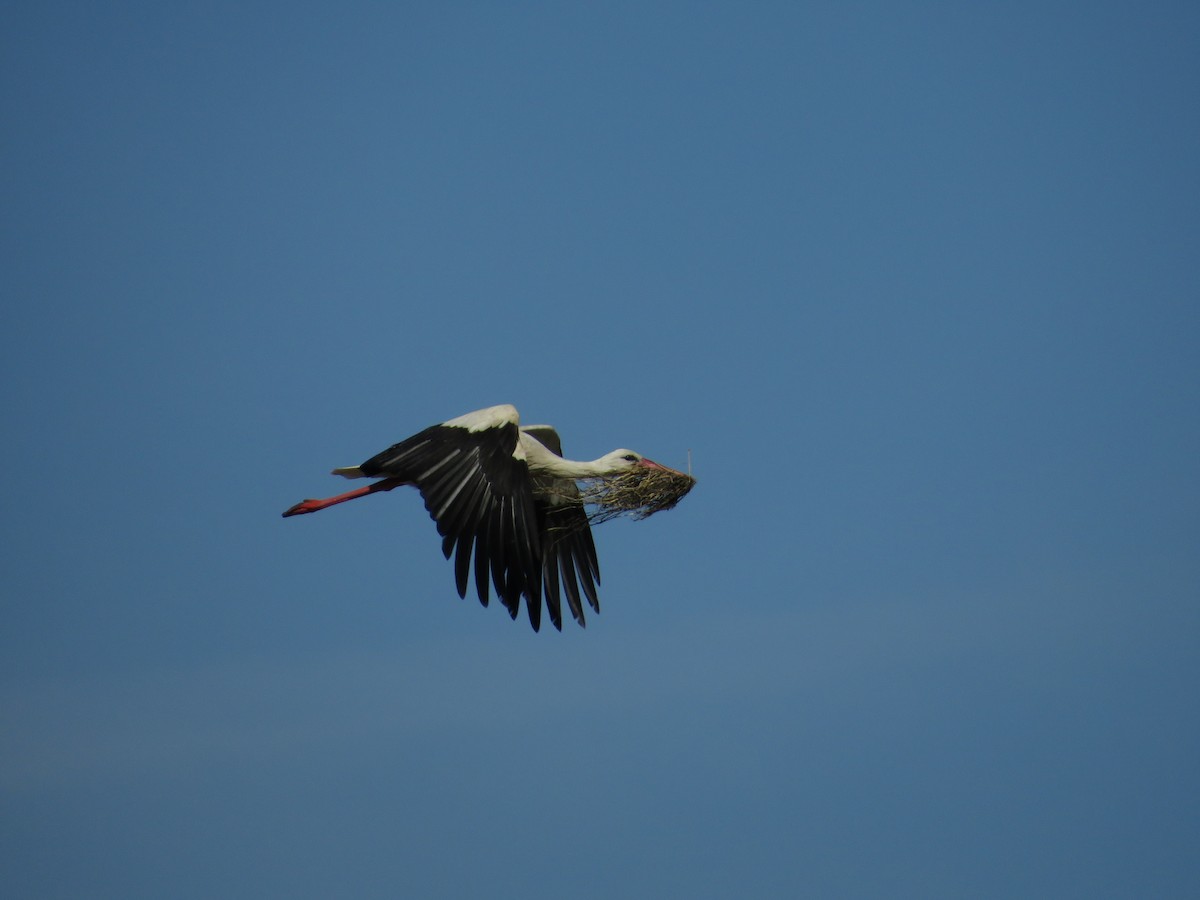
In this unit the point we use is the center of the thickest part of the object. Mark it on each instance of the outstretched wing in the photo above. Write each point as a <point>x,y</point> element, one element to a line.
<point>481,496</point>
<point>569,562</point>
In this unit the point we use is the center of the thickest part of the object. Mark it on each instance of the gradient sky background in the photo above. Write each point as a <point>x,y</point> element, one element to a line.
<point>917,283</point>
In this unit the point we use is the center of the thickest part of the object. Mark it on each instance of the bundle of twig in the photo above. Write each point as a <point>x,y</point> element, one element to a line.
<point>638,492</point>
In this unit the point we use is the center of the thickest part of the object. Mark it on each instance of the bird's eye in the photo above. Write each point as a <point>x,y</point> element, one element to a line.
<point>629,457</point>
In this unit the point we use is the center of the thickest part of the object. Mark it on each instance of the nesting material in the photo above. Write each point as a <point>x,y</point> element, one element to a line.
<point>639,492</point>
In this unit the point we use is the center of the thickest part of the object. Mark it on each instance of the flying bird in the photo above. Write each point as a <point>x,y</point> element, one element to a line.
<point>503,496</point>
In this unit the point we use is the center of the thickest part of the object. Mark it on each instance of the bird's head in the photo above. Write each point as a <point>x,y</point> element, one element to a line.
<point>624,460</point>
<point>626,483</point>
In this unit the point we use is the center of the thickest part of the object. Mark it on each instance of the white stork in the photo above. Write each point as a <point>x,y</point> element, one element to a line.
<point>504,493</point>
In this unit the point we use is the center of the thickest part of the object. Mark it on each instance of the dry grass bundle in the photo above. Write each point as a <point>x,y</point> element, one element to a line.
<point>638,492</point>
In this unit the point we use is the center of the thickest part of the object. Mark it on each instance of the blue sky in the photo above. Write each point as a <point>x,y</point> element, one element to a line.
<point>917,285</point>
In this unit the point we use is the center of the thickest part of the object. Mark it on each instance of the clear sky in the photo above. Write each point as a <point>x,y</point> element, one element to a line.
<point>918,284</point>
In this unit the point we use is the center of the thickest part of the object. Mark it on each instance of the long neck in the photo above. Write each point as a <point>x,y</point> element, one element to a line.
<point>544,462</point>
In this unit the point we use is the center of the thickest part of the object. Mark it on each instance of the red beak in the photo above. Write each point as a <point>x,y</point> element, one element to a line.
<point>651,464</point>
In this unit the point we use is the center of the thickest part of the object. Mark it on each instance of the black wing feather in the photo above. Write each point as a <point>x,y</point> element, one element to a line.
<point>481,499</point>
<point>525,535</point>
<point>568,551</point>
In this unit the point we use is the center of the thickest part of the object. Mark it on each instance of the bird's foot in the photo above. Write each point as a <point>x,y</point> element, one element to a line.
<point>304,506</point>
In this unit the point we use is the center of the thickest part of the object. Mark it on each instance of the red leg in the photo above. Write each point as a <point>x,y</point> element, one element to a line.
<point>310,506</point>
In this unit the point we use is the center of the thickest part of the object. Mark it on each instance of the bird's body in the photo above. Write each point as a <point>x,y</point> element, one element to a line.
<point>503,496</point>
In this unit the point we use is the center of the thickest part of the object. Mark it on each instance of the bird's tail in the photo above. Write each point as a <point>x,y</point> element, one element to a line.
<point>348,472</point>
